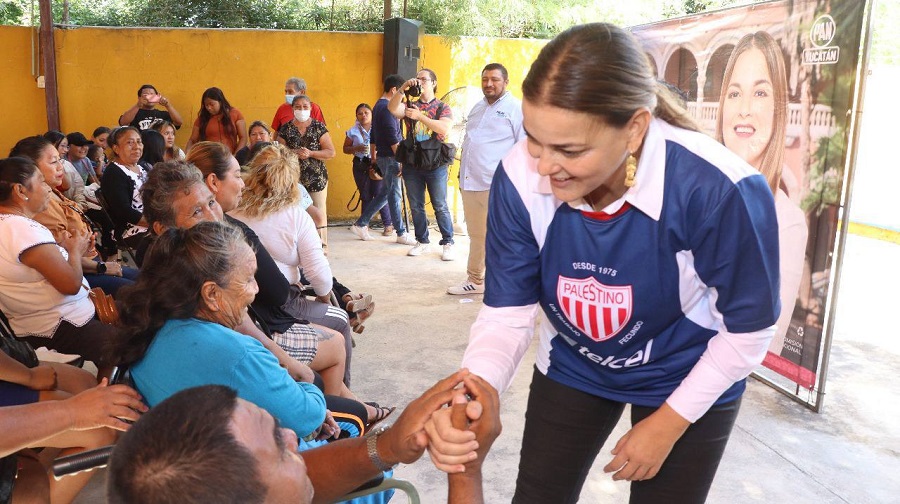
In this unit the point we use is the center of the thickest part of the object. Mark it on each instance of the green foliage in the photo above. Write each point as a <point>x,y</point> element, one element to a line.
<point>886,37</point>
<point>11,13</point>
<point>487,18</point>
<point>825,173</point>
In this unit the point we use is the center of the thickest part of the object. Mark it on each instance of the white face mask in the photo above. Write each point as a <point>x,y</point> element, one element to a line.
<point>289,98</point>
<point>301,115</point>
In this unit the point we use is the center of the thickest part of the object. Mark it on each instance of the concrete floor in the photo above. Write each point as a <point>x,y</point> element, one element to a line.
<point>779,452</point>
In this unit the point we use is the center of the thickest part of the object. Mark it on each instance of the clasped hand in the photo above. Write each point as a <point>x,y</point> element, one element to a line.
<point>460,436</point>
<point>457,449</point>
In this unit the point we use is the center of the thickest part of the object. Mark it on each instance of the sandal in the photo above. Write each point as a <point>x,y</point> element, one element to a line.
<point>356,323</point>
<point>359,304</point>
<point>380,414</point>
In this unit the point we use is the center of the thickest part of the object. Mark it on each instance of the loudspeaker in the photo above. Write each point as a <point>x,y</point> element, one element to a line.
<point>401,47</point>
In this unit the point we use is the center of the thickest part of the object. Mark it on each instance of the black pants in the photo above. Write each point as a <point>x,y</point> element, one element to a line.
<point>566,428</point>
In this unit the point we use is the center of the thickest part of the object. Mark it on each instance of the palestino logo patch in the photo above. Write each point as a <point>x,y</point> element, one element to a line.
<point>821,33</point>
<point>599,311</point>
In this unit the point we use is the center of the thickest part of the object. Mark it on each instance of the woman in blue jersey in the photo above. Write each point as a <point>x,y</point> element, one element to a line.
<point>649,253</point>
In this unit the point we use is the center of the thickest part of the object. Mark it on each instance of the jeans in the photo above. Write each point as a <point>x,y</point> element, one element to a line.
<point>436,183</point>
<point>368,189</point>
<point>566,428</point>
<point>389,193</point>
<point>110,283</point>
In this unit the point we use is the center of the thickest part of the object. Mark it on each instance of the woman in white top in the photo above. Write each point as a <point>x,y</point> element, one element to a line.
<point>271,206</point>
<point>42,287</point>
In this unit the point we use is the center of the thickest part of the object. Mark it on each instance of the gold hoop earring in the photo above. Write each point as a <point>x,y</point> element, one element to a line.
<point>630,170</point>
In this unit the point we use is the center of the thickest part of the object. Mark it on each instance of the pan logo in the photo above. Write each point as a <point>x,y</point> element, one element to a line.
<point>821,34</point>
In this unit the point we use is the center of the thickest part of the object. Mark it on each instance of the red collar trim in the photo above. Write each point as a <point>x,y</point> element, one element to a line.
<point>603,216</point>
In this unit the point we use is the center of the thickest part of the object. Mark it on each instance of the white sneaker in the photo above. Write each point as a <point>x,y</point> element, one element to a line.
<point>361,231</point>
<point>466,288</point>
<point>448,254</point>
<point>419,249</point>
<point>406,239</point>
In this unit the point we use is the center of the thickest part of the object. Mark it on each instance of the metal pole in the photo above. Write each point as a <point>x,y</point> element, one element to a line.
<point>48,54</point>
<point>850,168</point>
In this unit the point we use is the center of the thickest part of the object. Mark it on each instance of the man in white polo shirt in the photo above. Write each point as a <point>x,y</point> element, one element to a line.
<point>494,126</point>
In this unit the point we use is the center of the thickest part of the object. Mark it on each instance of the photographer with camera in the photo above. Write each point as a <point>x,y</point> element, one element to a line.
<point>427,117</point>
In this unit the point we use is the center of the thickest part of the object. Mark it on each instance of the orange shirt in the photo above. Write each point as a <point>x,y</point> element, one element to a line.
<point>216,133</point>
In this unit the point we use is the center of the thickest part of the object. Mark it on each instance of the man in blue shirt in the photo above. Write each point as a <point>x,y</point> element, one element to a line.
<point>494,126</point>
<point>384,138</point>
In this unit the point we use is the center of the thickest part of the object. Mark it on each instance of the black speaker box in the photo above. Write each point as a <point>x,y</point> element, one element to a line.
<point>401,47</point>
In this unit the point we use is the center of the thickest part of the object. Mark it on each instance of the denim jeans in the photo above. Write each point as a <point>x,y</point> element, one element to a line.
<point>368,189</point>
<point>390,194</point>
<point>436,183</point>
<point>110,283</point>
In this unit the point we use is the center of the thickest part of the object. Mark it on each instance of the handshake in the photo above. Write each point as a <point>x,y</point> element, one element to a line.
<point>461,434</point>
<point>457,420</point>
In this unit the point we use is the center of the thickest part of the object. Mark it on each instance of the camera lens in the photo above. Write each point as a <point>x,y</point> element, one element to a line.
<point>414,90</point>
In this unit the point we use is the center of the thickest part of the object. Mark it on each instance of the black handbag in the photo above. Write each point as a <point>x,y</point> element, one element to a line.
<point>432,154</point>
<point>17,349</point>
<point>426,155</point>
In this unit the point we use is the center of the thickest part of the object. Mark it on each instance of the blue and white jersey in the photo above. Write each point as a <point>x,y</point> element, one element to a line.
<point>683,269</point>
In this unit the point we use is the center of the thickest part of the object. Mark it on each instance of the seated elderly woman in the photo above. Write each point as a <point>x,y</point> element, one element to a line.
<point>175,196</point>
<point>121,183</point>
<point>43,291</point>
<point>178,327</point>
<point>222,175</point>
<point>63,217</point>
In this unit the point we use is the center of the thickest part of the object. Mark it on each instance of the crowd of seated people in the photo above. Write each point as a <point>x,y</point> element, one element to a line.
<point>272,321</point>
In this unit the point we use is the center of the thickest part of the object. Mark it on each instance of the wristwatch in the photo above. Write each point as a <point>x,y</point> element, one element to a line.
<point>372,448</point>
<point>101,268</point>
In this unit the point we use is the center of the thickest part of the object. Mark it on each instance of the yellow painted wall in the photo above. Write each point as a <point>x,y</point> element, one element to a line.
<point>21,102</point>
<point>100,69</point>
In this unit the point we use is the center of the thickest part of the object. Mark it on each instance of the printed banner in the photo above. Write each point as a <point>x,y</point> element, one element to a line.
<point>774,82</point>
